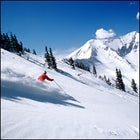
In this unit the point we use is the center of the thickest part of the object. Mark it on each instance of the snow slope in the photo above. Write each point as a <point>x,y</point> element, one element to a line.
<point>78,105</point>
<point>107,54</point>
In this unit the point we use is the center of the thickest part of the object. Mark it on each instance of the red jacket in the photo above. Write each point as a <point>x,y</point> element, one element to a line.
<point>43,77</point>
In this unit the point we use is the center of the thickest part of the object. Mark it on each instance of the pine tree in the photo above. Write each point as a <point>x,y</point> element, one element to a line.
<point>87,68</point>
<point>47,57</point>
<point>21,47</point>
<point>1,40</point>
<point>34,52</point>
<point>134,86</point>
<point>119,82</point>
<point>71,61</point>
<point>94,70</point>
<point>81,66</point>
<point>28,50</point>
<point>117,79</point>
<point>52,60</point>
<point>11,43</point>
<point>25,49</point>
<point>14,43</point>
<point>6,42</point>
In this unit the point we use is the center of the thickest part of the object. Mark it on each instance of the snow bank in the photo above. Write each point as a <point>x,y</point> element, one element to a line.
<point>84,106</point>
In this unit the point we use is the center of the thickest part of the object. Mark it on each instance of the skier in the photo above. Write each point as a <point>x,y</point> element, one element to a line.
<point>44,76</point>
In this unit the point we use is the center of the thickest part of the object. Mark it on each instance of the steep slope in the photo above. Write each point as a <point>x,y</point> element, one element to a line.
<point>84,106</point>
<point>111,53</point>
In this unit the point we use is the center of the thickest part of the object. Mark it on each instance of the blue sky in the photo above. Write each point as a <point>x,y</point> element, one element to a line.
<point>64,25</point>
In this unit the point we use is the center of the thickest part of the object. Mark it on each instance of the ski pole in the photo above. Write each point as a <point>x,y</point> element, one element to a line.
<point>59,86</point>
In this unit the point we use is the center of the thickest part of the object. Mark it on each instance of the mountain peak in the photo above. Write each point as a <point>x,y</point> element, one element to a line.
<point>108,53</point>
<point>122,45</point>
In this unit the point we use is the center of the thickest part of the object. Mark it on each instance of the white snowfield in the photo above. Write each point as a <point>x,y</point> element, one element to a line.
<point>107,54</point>
<point>80,106</point>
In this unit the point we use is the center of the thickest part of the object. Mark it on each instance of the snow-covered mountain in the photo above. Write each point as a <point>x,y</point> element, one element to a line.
<point>75,105</point>
<point>107,54</point>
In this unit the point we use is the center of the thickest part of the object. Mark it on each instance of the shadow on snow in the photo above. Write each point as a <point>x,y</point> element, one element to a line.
<point>14,91</point>
<point>69,75</point>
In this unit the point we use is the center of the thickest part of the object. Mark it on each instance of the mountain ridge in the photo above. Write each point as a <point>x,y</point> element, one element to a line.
<point>132,37</point>
<point>110,53</point>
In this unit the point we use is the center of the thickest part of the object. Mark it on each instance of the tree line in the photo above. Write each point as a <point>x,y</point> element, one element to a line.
<point>119,84</point>
<point>11,43</point>
<point>50,60</point>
